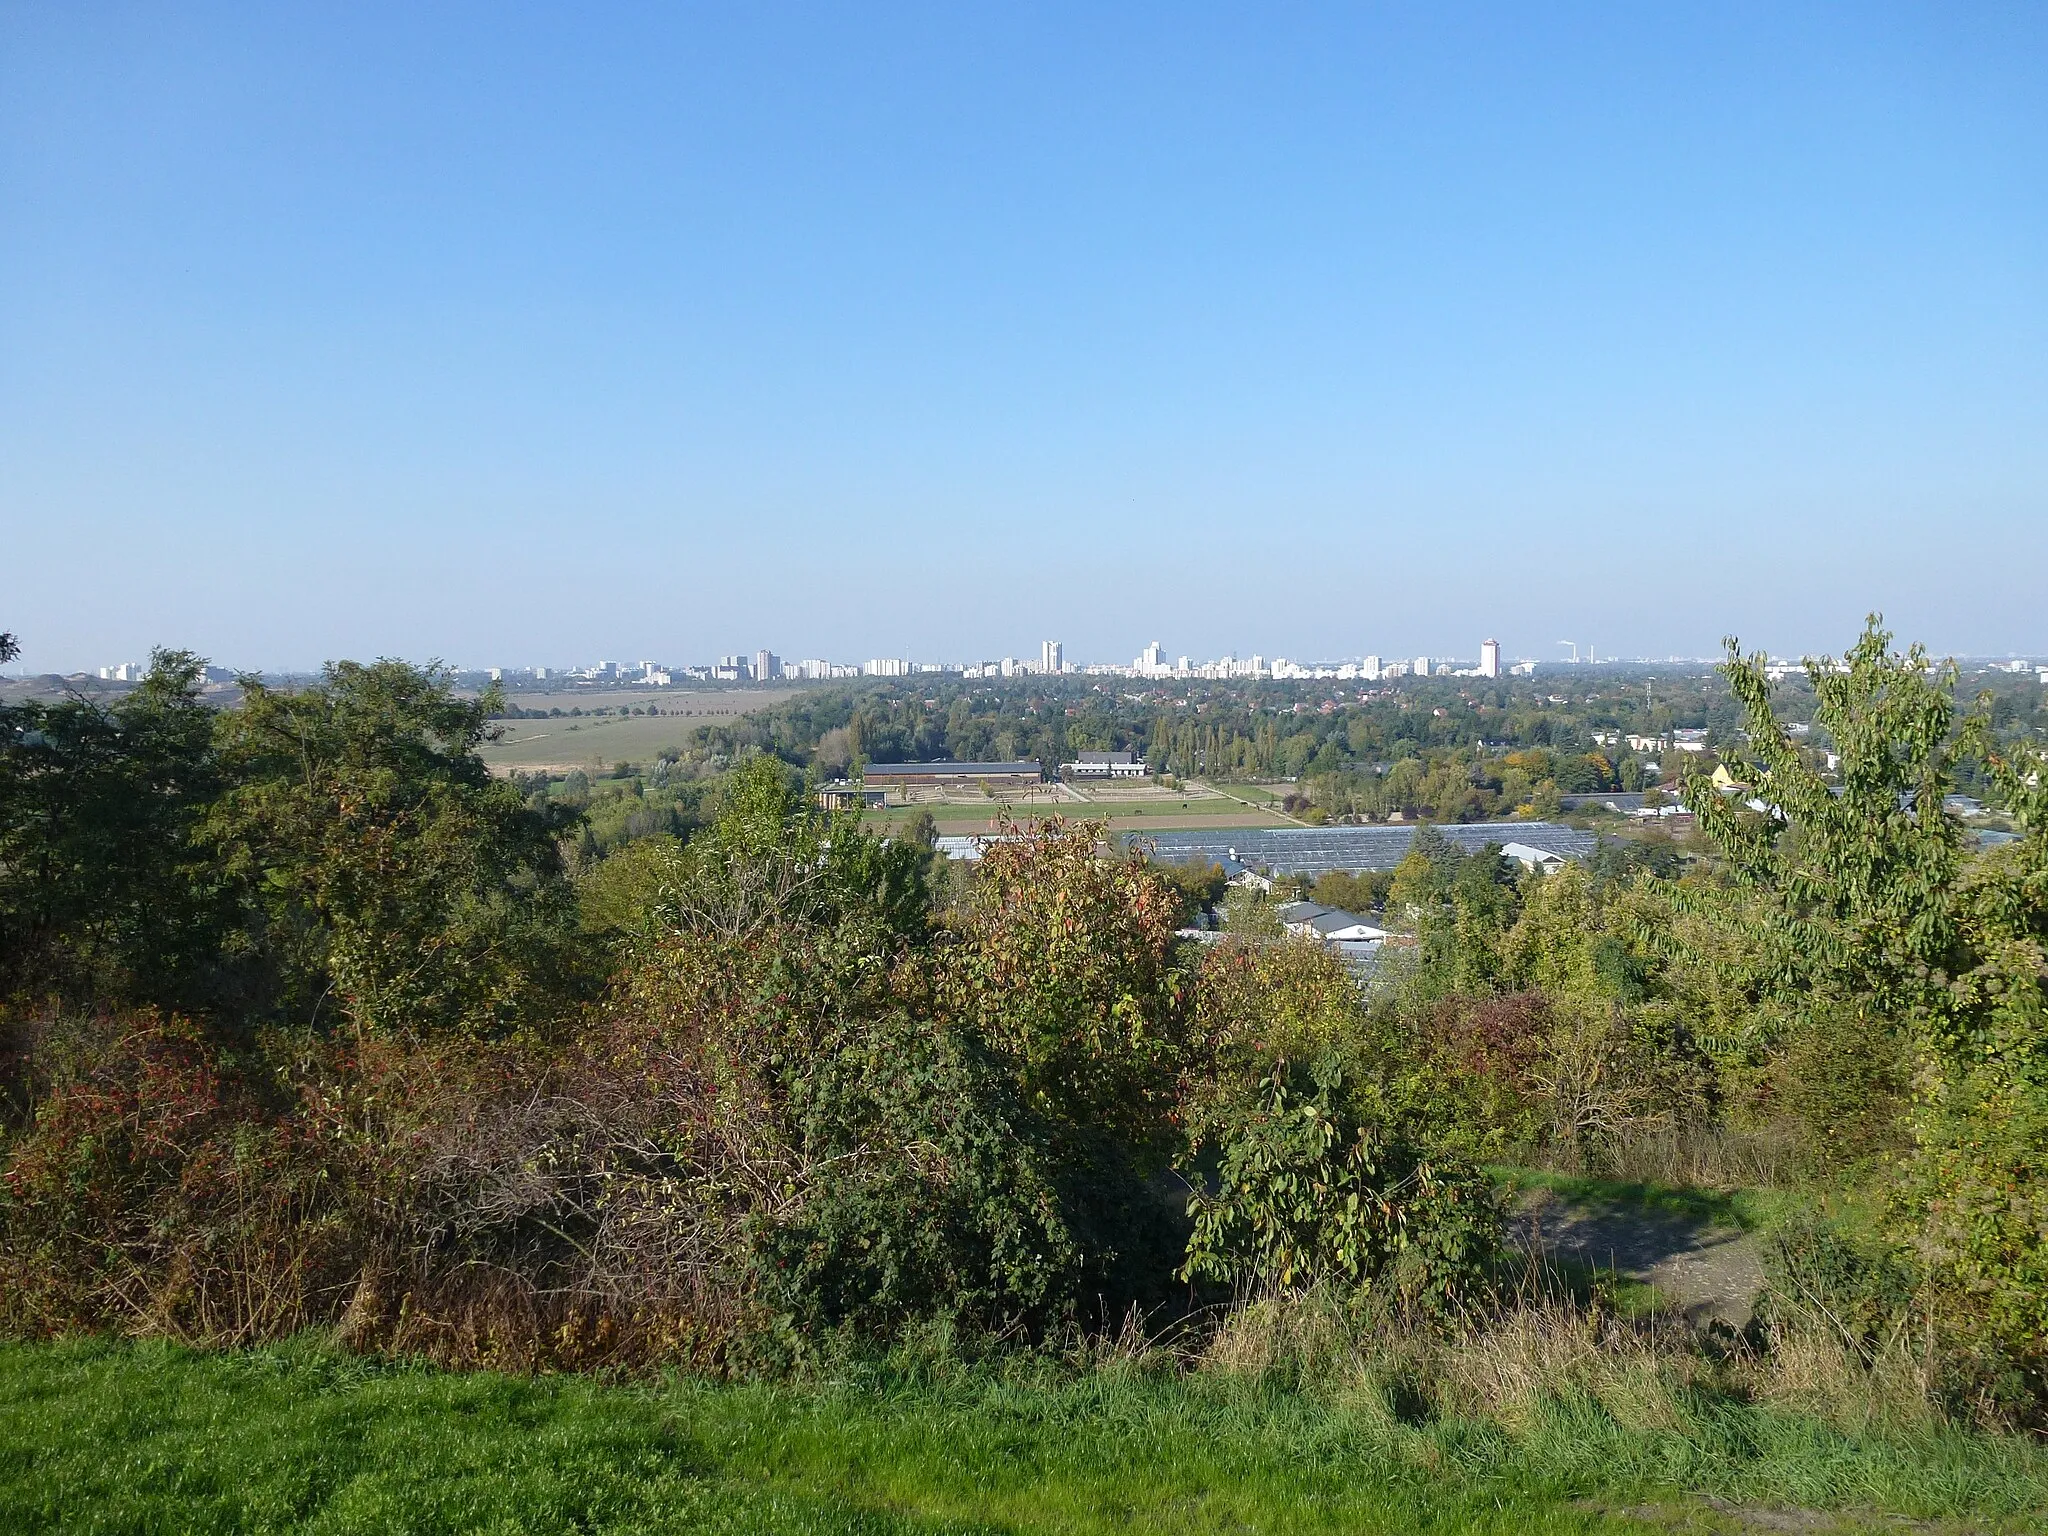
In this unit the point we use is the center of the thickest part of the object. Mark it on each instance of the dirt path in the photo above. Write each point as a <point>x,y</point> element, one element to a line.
<point>1708,1272</point>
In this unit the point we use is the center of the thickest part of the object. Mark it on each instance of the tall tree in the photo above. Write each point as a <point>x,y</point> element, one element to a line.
<point>100,894</point>
<point>1869,902</point>
<point>397,885</point>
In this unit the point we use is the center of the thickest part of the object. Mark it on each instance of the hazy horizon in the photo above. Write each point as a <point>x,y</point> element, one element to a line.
<point>517,336</point>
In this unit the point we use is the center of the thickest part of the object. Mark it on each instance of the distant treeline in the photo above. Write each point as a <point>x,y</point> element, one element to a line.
<point>1451,748</point>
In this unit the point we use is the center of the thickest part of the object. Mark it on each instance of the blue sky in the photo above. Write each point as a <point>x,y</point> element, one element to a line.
<point>515,334</point>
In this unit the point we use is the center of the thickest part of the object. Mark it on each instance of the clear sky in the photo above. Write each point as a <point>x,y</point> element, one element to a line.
<point>514,334</point>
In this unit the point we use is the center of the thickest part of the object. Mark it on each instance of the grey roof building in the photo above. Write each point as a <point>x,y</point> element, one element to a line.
<point>1354,850</point>
<point>1333,925</point>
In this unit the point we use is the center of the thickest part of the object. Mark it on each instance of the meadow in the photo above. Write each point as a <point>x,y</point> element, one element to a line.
<point>145,1437</point>
<point>961,816</point>
<point>598,741</point>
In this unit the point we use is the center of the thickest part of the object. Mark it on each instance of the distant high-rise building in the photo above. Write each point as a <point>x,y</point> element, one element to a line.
<point>1369,669</point>
<point>1489,659</point>
<point>1422,666</point>
<point>1051,656</point>
<point>767,666</point>
<point>1151,661</point>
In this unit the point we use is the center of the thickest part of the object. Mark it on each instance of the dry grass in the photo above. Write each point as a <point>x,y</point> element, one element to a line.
<point>1770,1156</point>
<point>1515,1364</point>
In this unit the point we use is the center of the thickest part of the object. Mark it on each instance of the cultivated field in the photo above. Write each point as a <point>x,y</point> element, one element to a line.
<point>598,741</point>
<point>1127,808</point>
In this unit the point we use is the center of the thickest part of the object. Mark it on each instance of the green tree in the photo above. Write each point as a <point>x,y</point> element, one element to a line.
<point>1249,913</point>
<point>1201,884</point>
<point>1360,893</point>
<point>1867,910</point>
<point>621,893</point>
<point>1462,906</point>
<point>388,879</point>
<point>772,857</point>
<point>101,895</point>
<point>919,830</point>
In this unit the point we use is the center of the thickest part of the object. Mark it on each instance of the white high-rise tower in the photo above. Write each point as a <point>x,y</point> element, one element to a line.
<point>1489,659</point>
<point>1051,657</point>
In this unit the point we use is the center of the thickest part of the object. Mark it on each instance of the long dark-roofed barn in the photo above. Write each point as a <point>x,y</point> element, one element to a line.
<point>1353,850</point>
<point>908,780</point>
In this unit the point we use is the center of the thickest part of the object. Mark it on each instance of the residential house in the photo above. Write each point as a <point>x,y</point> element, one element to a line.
<point>1330,925</point>
<point>1541,860</point>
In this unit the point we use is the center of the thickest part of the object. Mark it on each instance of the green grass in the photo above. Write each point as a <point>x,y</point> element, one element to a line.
<point>110,1437</point>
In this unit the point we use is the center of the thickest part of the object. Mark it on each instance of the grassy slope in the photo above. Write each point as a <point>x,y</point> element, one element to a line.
<point>121,1437</point>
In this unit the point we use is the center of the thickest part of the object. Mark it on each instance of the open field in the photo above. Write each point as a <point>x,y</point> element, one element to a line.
<point>149,1437</point>
<point>1127,808</point>
<point>597,741</point>
<point>1257,793</point>
<point>698,701</point>
<point>963,816</point>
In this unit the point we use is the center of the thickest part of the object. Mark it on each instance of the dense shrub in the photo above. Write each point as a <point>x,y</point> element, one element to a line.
<point>165,1187</point>
<point>1476,1068</point>
<point>798,1111</point>
<point>1313,1191</point>
<point>1315,1161</point>
<point>1828,1280</point>
<point>1064,963</point>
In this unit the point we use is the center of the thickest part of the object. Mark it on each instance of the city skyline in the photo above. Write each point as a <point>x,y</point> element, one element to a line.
<point>1152,662</point>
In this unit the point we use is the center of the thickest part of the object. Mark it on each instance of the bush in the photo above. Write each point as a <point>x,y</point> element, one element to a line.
<point>1822,1279</point>
<point>164,1187</point>
<point>1475,1067</point>
<point>1309,1193</point>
